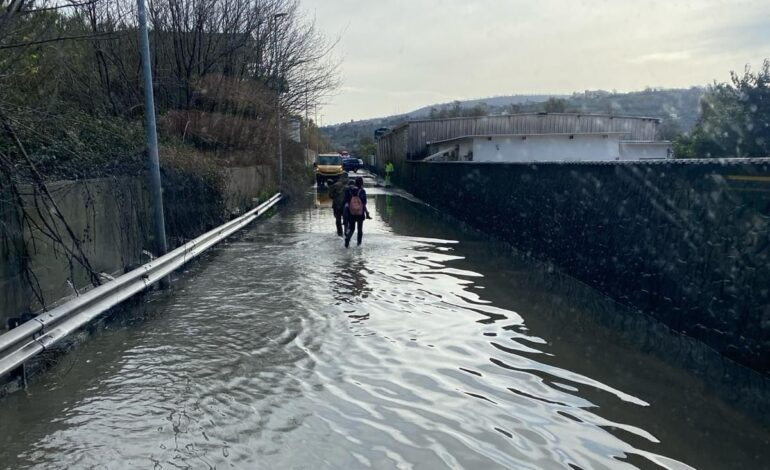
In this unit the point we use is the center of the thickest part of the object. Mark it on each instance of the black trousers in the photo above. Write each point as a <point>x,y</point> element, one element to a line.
<point>338,219</point>
<point>353,222</point>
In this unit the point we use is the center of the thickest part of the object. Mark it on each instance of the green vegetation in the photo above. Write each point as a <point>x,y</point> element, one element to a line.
<point>366,146</point>
<point>734,119</point>
<point>555,105</point>
<point>457,110</point>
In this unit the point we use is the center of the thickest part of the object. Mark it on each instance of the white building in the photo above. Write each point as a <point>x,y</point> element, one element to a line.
<point>552,147</point>
<point>646,150</point>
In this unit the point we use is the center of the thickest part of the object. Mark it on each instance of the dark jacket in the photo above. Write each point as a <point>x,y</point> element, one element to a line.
<point>337,195</point>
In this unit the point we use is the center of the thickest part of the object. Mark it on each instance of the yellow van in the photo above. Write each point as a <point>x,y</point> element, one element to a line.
<point>328,168</point>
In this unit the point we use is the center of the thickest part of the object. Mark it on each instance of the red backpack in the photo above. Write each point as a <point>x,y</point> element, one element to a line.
<point>356,206</point>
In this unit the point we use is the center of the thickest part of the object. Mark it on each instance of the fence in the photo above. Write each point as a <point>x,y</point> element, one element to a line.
<point>684,240</point>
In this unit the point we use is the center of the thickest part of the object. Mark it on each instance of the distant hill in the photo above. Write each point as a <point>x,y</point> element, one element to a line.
<point>347,135</point>
<point>677,109</point>
<point>491,102</point>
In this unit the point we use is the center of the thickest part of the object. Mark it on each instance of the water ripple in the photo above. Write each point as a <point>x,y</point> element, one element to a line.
<point>286,351</point>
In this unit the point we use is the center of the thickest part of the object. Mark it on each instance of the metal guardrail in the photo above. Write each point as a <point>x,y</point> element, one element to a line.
<point>35,336</point>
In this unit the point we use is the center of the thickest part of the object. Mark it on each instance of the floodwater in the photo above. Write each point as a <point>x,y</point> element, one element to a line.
<point>427,347</point>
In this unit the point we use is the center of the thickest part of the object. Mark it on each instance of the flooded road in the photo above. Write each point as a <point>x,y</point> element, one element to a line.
<point>427,347</point>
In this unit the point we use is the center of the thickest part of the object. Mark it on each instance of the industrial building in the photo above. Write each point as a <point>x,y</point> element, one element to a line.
<point>525,137</point>
<point>507,148</point>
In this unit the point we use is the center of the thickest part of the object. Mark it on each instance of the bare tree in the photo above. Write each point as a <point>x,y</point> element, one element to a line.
<point>70,92</point>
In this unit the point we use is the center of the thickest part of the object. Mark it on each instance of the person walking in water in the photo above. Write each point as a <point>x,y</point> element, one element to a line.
<point>355,206</point>
<point>337,195</point>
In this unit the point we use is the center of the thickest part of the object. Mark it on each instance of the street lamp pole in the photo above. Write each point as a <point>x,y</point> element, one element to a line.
<point>152,134</point>
<point>278,86</point>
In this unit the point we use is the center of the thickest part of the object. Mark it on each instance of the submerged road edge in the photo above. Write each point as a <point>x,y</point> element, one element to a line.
<point>42,332</point>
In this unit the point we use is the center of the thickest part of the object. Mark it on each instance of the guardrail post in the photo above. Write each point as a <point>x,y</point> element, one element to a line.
<point>20,374</point>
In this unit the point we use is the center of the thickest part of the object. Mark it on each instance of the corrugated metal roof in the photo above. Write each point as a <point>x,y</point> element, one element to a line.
<point>497,119</point>
<point>644,118</point>
<point>481,136</point>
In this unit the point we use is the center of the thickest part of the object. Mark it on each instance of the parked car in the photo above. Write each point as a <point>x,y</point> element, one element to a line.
<point>352,164</point>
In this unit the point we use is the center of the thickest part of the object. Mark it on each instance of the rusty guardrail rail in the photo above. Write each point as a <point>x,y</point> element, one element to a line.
<point>40,333</point>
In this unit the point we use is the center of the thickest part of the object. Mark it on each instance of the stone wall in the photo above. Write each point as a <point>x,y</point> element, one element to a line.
<point>688,243</point>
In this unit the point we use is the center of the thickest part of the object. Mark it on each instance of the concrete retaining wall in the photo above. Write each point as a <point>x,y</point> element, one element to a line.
<point>112,218</point>
<point>688,243</point>
<point>245,184</point>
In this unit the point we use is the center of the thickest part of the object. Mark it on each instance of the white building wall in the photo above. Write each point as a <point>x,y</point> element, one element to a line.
<point>547,148</point>
<point>460,149</point>
<point>466,147</point>
<point>645,150</point>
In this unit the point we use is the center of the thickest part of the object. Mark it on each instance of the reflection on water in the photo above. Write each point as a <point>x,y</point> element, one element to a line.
<point>350,285</point>
<point>427,347</point>
<point>322,199</point>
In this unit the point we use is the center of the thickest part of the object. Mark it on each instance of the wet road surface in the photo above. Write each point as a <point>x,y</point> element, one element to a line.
<point>427,347</point>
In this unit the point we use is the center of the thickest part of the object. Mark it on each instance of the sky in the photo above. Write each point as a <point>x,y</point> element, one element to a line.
<point>400,55</point>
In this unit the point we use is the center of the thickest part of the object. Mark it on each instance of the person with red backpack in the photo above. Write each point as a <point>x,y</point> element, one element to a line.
<point>355,207</point>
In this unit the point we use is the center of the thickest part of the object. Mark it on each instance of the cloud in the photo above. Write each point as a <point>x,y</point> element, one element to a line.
<point>354,89</point>
<point>405,54</point>
<point>660,57</point>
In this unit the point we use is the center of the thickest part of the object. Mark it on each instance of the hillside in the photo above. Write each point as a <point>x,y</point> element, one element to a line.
<point>677,108</point>
<point>491,102</point>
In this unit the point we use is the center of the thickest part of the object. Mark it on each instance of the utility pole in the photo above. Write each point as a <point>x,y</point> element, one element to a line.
<point>278,90</point>
<point>307,125</point>
<point>156,193</point>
